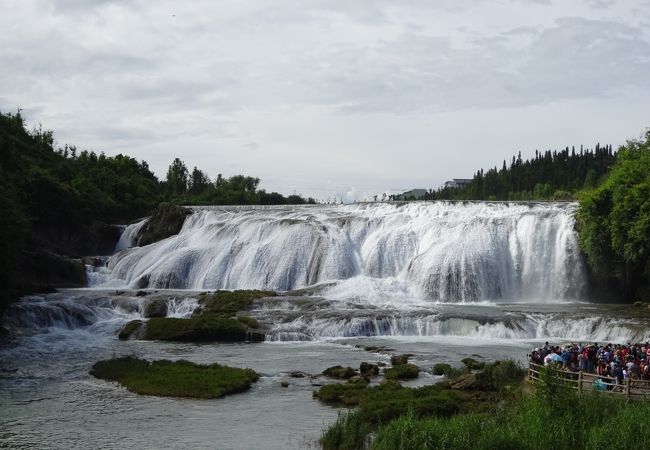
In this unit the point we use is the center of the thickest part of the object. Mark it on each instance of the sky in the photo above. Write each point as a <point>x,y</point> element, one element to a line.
<point>333,98</point>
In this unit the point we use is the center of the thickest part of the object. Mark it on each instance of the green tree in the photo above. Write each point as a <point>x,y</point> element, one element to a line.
<point>614,221</point>
<point>177,178</point>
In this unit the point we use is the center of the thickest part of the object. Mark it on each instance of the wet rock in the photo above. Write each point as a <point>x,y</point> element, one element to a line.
<point>156,307</point>
<point>141,294</point>
<point>167,220</point>
<point>284,384</point>
<point>368,370</point>
<point>357,379</point>
<point>132,330</point>
<point>297,374</point>
<point>340,372</point>
<point>397,360</point>
<point>441,369</point>
<point>472,364</point>
<point>402,372</point>
<point>465,382</point>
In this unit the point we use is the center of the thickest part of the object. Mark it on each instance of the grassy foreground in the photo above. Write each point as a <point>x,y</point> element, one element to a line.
<point>548,417</point>
<point>174,378</point>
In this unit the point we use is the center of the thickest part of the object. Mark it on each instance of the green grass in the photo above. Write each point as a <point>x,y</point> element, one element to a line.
<point>589,422</point>
<point>497,386</point>
<point>174,378</point>
<point>348,433</point>
<point>379,404</point>
<point>553,417</point>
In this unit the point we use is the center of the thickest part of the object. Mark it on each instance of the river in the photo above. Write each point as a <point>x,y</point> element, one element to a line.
<point>441,281</point>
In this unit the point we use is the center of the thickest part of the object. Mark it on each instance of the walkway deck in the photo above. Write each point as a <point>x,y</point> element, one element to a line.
<point>583,382</point>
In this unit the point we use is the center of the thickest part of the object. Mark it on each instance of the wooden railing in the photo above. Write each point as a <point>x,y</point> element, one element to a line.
<point>583,381</point>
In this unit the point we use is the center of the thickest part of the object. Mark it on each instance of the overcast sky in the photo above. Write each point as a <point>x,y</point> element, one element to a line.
<point>327,98</point>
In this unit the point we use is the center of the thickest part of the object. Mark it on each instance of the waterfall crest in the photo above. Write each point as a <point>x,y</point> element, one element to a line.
<point>440,251</point>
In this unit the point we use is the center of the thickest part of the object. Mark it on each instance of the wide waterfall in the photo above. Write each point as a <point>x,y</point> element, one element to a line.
<point>434,251</point>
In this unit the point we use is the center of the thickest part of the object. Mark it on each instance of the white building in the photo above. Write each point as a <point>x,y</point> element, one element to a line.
<point>457,182</point>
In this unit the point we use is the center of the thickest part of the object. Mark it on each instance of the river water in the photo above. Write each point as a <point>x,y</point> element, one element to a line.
<point>439,280</point>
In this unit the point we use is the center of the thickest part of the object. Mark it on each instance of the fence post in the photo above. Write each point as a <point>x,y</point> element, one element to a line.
<point>580,381</point>
<point>627,388</point>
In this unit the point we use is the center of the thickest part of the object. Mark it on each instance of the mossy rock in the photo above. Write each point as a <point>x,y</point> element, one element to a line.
<point>402,372</point>
<point>175,378</point>
<point>340,372</point>
<point>199,329</point>
<point>132,330</point>
<point>341,394</point>
<point>368,370</point>
<point>229,303</point>
<point>155,307</point>
<point>167,220</point>
<point>472,364</point>
<point>397,360</point>
<point>249,322</point>
<point>441,369</point>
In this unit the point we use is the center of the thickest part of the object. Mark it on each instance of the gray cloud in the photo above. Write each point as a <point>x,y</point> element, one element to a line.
<point>330,90</point>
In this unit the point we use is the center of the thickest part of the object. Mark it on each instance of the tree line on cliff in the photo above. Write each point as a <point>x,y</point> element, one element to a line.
<point>58,201</point>
<point>550,175</point>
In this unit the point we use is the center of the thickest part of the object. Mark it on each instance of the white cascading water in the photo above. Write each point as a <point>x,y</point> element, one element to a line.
<point>441,251</point>
<point>417,269</point>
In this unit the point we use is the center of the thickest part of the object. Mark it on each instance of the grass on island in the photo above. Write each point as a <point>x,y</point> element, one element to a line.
<point>174,378</point>
<point>550,416</point>
<point>229,303</point>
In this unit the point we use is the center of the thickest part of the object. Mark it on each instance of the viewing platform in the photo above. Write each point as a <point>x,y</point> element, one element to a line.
<point>584,382</point>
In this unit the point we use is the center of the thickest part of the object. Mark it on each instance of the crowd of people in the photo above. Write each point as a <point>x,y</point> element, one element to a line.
<point>616,361</point>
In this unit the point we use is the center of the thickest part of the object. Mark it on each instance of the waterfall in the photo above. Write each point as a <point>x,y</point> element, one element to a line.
<point>440,251</point>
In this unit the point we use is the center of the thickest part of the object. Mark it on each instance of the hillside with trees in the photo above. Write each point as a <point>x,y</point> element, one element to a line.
<point>57,204</point>
<point>614,223</point>
<point>550,175</point>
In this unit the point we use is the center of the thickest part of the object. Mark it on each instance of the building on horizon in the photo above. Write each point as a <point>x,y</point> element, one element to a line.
<point>457,182</point>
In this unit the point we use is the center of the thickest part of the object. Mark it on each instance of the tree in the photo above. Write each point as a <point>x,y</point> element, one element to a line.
<point>199,182</point>
<point>614,221</point>
<point>177,177</point>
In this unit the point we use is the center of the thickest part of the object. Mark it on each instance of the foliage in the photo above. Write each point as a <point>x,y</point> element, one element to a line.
<point>587,421</point>
<point>175,379</point>
<point>349,432</point>
<point>614,222</point>
<point>379,404</point>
